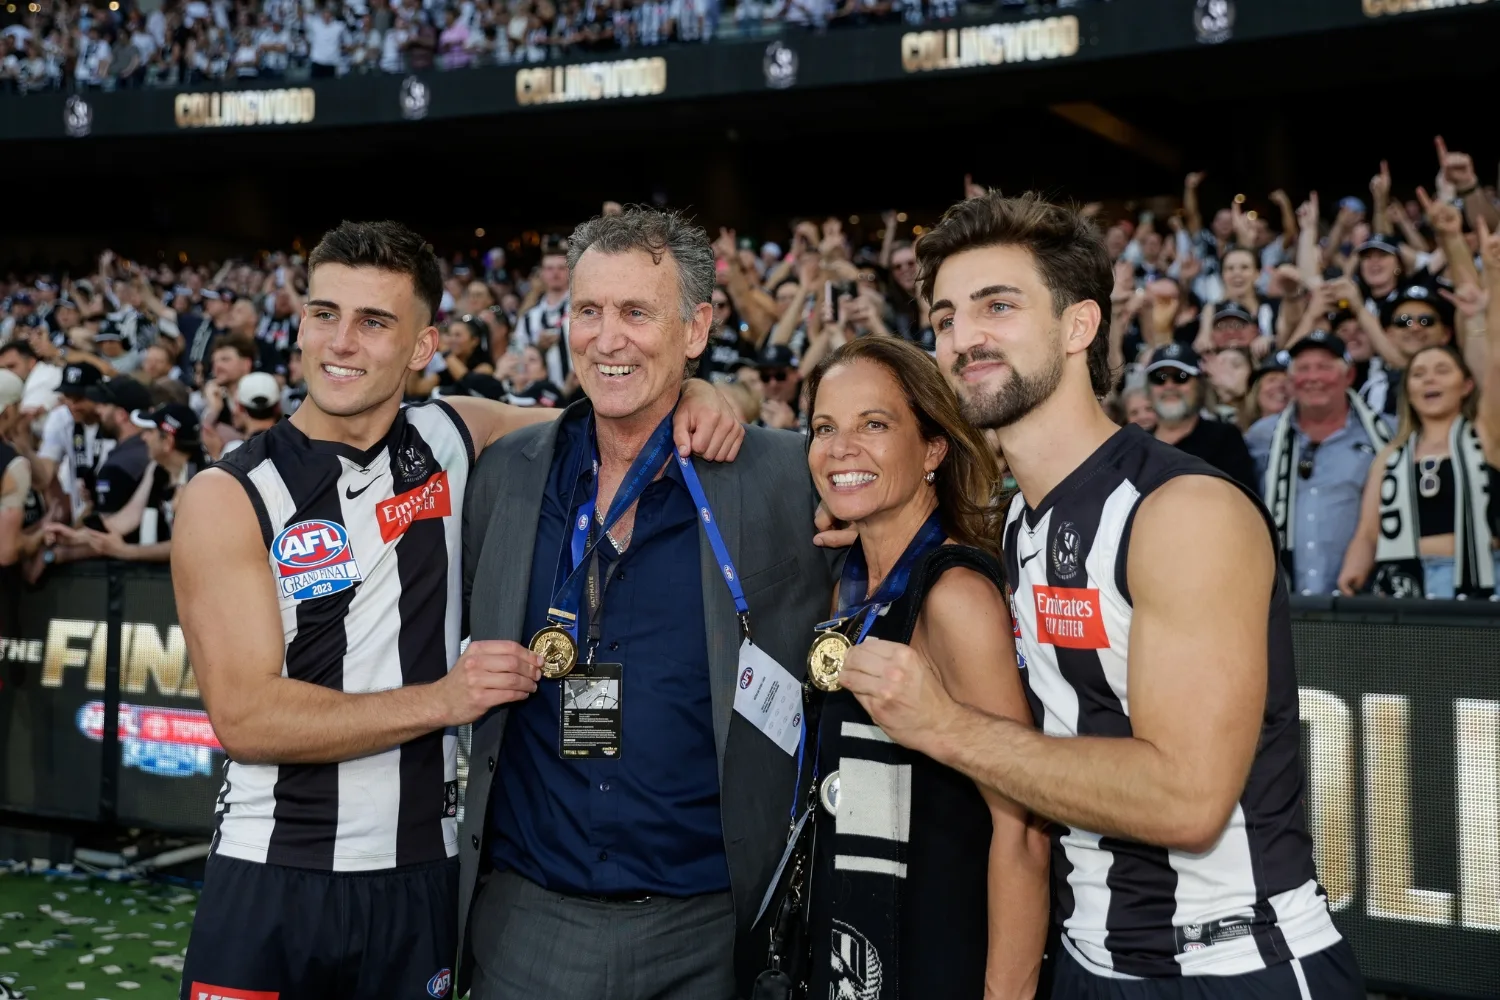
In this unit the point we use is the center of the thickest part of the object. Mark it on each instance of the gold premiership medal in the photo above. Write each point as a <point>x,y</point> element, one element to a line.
<point>826,659</point>
<point>557,649</point>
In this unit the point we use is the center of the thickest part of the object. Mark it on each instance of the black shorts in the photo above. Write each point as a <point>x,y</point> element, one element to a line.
<point>268,932</point>
<point>1330,974</point>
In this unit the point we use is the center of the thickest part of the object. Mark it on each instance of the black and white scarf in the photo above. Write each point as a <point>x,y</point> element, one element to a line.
<point>1398,557</point>
<point>1281,469</point>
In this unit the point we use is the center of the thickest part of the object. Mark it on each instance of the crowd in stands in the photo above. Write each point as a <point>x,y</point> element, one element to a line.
<point>1331,361</point>
<point>183,42</point>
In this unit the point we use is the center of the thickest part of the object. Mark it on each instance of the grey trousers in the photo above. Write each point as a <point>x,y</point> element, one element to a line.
<point>531,944</point>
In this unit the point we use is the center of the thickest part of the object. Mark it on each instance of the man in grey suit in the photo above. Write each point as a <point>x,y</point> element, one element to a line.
<point>624,822</point>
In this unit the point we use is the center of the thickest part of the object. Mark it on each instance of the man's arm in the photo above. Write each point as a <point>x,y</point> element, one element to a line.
<point>706,424</point>
<point>15,481</point>
<point>1197,688</point>
<point>964,612</point>
<point>232,623</point>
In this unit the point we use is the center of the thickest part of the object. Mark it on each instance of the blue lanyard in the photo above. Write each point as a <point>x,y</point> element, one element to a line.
<point>853,603</point>
<point>716,541</point>
<point>566,596</point>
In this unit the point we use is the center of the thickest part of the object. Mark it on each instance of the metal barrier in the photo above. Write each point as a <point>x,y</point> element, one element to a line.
<point>1400,705</point>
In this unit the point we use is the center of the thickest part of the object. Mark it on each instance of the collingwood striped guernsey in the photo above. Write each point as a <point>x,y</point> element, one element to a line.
<point>1130,909</point>
<point>364,549</point>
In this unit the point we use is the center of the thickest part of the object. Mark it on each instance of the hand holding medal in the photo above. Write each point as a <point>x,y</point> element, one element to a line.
<point>825,658</point>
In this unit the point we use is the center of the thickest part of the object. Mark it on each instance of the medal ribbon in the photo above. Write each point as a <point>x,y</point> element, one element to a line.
<point>853,603</point>
<point>567,595</point>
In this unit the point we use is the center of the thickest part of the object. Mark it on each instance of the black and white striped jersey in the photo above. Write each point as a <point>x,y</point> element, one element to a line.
<point>364,549</point>
<point>1126,908</point>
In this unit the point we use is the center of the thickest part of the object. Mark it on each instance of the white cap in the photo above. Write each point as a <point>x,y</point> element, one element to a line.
<point>259,391</point>
<point>11,388</point>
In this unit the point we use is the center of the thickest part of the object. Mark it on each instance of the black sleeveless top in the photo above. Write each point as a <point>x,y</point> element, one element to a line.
<point>940,906</point>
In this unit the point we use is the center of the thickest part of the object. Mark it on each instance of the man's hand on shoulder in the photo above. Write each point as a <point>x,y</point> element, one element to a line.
<point>707,424</point>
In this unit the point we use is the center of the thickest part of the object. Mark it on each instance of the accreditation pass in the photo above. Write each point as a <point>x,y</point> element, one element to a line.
<point>769,697</point>
<point>591,714</point>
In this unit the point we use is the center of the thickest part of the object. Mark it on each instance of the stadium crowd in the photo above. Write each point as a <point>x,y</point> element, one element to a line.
<point>182,42</point>
<point>1295,352</point>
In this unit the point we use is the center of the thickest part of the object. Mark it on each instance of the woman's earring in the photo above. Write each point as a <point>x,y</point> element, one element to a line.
<point>930,476</point>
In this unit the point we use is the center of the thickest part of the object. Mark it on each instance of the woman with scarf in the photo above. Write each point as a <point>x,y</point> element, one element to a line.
<point>921,884</point>
<point>1427,524</point>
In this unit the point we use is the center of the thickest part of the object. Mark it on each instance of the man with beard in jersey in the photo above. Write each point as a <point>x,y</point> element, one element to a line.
<point>1153,635</point>
<point>317,580</point>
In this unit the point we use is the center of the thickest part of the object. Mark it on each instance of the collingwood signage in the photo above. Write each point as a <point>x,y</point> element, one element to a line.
<point>592,81</point>
<point>990,45</point>
<point>1381,8</point>
<point>229,108</point>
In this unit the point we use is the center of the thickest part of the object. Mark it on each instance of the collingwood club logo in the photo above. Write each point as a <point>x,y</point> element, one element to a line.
<point>78,117</point>
<point>1213,20</point>
<point>780,66</point>
<point>1065,551</point>
<point>415,98</point>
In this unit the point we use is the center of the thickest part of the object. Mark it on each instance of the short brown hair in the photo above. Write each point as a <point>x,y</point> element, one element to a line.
<point>387,246</point>
<point>1068,249</point>
<point>241,345</point>
<point>968,479</point>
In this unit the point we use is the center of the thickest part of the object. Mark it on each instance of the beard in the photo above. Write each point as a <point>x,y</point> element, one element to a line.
<point>1014,398</point>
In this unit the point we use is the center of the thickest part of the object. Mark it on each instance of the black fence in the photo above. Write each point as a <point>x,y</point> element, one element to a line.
<point>1400,705</point>
<point>794,61</point>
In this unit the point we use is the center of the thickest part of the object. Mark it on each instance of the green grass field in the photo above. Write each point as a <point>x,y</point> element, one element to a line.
<point>75,936</point>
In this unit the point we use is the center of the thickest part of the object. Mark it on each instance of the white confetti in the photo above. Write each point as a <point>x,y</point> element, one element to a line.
<point>86,959</point>
<point>179,925</point>
<point>128,985</point>
<point>4,950</point>
<point>62,896</point>
<point>163,944</point>
<point>104,949</point>
<point>111,970</point>
<point>76,986</point>
<point>179,899</point>
<point>137,935</point>
<point>173,962</point>
<point>13,916</point>
<point>25,944</point>
<point>112,937</point>
<point>160,927</point>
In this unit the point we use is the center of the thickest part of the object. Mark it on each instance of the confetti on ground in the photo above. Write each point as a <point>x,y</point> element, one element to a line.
<point>128,985</point>
<point>76,986</point>
<point>111,970</point>
<point>104,949</point>
<point>86,959</point>
<point>163,944</point>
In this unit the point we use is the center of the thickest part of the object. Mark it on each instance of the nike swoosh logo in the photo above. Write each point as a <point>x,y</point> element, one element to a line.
<point>1028,559</point>
<point>351,493</point>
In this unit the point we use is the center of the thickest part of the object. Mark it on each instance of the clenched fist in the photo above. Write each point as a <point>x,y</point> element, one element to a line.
<point>491,672</point>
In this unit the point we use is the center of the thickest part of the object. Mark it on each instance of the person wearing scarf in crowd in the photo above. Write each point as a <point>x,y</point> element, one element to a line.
<point>926,886</point>
<point>1312,460</point>
<point>1427,524</point>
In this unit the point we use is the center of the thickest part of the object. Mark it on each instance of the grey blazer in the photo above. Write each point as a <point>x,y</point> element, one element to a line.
<point>763,503</point>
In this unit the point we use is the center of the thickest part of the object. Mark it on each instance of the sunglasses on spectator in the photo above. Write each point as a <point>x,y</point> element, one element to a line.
<point>1164,375</point>
<point>1305,465</point>
<point>1408,320</point>
<point>775,375</point>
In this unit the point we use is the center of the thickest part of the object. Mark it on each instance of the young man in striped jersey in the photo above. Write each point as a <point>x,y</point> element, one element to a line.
<point>1152,631</point>
<point>318,583</point>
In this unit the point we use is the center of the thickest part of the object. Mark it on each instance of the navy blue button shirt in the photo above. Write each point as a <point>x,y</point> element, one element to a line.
<point>648,821</point>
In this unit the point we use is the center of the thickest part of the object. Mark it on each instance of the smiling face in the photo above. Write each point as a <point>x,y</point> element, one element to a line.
<point>1174,393</point>
<point>867,453</point>
<point>627,336</point>
<point>363,329</point>
<point>1379,270</point>
<point>1272,392</point>
<point>1416,325</point>
<point>998,340</point>
<point>1436,386</point>
<point>1319,380</point>
<point>1239,270</point>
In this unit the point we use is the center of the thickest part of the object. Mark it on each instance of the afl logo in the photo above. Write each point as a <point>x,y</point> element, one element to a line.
<point>438,985</point>
<point>706,514</point>
<point>313,559</point>
<point>310,544</point>
<point>583,522</point>
<point>746,676</point>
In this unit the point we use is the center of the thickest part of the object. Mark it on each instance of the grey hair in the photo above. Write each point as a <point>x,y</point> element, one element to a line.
<point>659,232</point>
